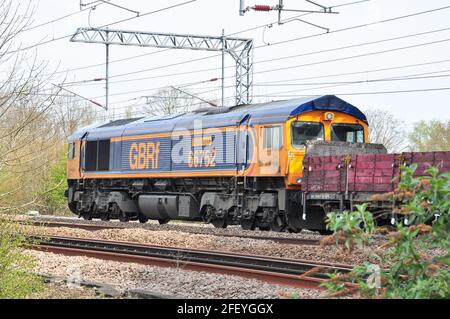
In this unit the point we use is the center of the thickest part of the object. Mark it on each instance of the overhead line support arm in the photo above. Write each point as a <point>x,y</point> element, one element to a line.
<point>241,49</point>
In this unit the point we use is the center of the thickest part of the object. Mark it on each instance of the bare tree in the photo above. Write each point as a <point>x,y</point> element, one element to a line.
<point>385,129</point>
<point>70,115</point>
<point>128,112</point>
<point>27,136</point>
<point>168,101</point>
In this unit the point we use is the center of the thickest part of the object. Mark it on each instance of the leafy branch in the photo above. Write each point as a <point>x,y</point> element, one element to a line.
<point>415,262</point>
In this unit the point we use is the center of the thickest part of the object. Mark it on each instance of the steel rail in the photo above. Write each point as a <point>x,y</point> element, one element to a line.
<point>90,227</point>
<point>93,227</point>
<point>270,269</point>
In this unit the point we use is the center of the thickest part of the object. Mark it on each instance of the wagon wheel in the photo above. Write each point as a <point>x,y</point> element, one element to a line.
<point>248,224</point>
<point>142,219</point>
<point>163,221</point>
<point>264,228</point>
<point>220,222</point>
<point>104,217</point>
<point>294,225</point>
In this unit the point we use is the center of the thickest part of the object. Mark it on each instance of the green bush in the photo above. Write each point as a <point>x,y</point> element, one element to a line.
<point>405,269</point>
<point>55,186</point>
<point>16,277</point>
<point>352,228</point>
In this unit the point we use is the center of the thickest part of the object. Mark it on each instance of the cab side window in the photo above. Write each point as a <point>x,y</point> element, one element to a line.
<point>347,133</point>
<point>72,151</point>
<point>97,155</point>
<point>272,138</point>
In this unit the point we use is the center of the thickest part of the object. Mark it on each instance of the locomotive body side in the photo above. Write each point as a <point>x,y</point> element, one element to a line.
<point>241,165</point>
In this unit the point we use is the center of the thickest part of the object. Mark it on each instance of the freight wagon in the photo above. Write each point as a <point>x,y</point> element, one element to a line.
<point>337,183</point>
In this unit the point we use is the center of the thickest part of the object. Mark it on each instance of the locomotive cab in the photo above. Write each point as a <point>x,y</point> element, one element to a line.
<point>319,126</point>
<point>73,160</point>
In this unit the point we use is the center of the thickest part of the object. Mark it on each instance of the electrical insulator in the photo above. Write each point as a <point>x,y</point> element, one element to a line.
<point>262,7</point>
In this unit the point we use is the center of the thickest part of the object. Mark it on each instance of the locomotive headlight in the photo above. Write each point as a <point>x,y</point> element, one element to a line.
<point>299,180</point>
<point>329,116</point>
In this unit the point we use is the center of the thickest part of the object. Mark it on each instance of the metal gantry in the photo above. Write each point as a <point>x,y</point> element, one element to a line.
<point>241,49</point>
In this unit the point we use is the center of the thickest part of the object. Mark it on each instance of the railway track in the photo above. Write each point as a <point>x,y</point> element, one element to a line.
<point>93,227</point>
<point>290,272</point>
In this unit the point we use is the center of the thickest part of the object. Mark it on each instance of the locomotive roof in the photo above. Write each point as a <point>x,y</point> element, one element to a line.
<point>262,113</point>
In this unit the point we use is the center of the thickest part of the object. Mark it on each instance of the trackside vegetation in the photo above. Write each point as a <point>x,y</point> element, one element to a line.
<point>55,185</point>
<point>415,262</point>
<point>17,280</point>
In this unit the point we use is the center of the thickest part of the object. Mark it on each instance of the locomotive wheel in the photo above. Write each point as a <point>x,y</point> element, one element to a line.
<point>87,216</point>
<point>220,223</point>
<point>278,228</point>
<point>73,207</point>
<point>264,228</point>
<point>294,230</point>
<point>278,224</point>
<point>248,224</point>
<point>92,212</point>
<point>142,219</point>
<point>104,217</point>
<point>163,221</point>
<point>123,218</point>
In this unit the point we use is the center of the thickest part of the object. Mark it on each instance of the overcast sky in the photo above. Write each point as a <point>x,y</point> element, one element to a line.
<point>209,17</point>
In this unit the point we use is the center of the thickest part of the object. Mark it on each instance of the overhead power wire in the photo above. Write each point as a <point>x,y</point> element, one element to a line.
<point>332,86</point>
<point>353,56</point>
<point>363,25</point>
<point>362,72</point>
<point>362,81</point>
<point>348,57</point>
<point>399,78</point>
<point>356,45</point>
<point>280,95</point>
<point>161,51</point>
<point>258,62</point>
<point>415,14</point>
<point>363,93</point>
<point>103,26</point>
<point>265,45</point>
<point>32,27</point>
<point>290,40</point>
